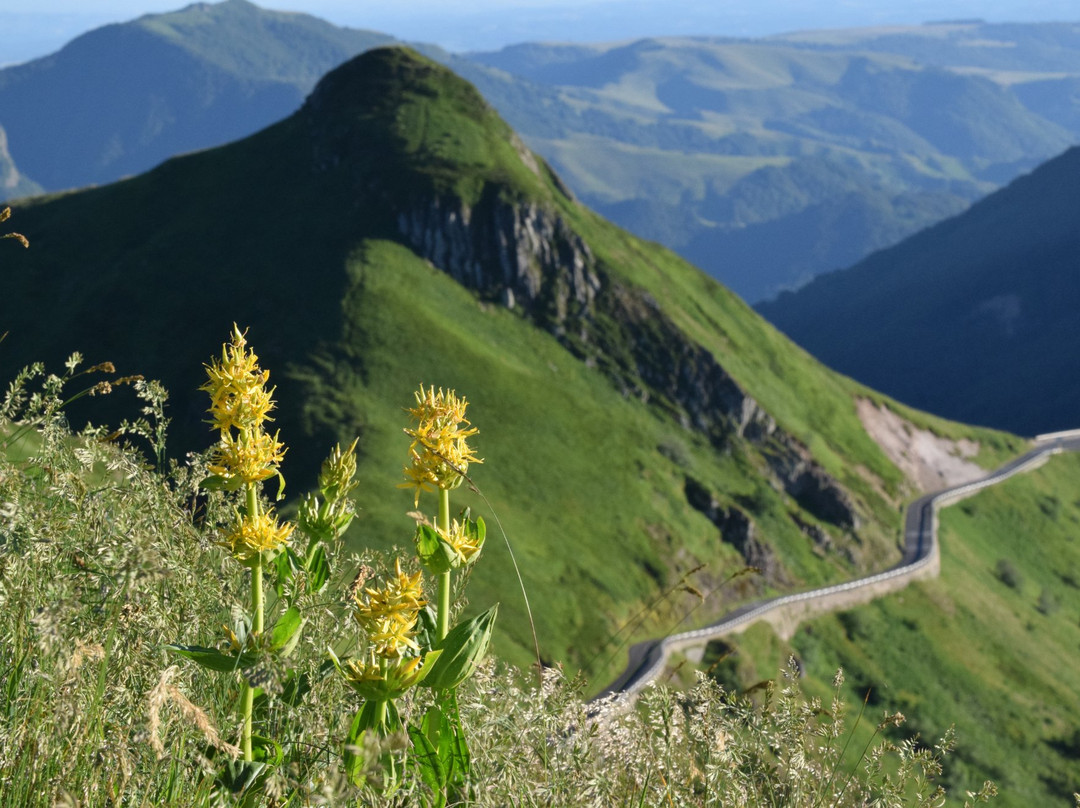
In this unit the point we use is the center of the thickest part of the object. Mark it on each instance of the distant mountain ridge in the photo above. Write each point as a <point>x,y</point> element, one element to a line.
<point>977,318</point>
<point>765,162</point>
<point>122,98</point>
<point>699,142</point>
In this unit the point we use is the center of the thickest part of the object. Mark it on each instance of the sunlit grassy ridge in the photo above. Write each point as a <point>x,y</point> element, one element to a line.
<point>990,646</point>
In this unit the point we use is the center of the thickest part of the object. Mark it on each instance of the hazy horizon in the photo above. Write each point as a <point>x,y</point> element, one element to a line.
<point>489,25</point>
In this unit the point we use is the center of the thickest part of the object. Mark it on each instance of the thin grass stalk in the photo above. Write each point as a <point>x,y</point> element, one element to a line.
<point>847,742</point>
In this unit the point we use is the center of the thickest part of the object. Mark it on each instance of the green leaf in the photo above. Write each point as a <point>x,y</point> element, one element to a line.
<point>248,778</point>
<point>286,631</point>
<point>266,750</point>
<point>212,658</point>
<point>429,764</point>
<point>463,649</point>
<point>427,629</point>
<point>216,482</point>
<point>462,760</point>
<point>435,553</point>
<point>478,533</point>
<point>318,568</point>
<point>441,754</point>
<point>341,524</point>
<point>285,564</point>
<point>354,749</point>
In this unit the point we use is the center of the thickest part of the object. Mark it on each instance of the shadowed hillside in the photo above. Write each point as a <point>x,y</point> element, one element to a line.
<point>975,319</point>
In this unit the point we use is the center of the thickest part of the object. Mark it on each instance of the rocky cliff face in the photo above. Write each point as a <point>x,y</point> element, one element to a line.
<point>737,528</point>
<point>524,256</point>
<point>519,254</point>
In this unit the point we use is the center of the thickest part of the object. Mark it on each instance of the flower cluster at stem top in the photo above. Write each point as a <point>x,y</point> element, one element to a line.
<point>389,614</point>
<point>439,454</point>
<point>246,453</point>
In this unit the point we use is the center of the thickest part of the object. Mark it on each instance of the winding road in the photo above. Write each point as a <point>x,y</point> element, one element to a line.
<point>921,559</point>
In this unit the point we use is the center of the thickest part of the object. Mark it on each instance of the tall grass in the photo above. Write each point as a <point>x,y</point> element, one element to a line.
<point>105,558</point>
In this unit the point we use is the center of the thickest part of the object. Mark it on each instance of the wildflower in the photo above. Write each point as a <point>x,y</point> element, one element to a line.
<point>465,544</point>
<point>338,470</point>
<point>248,457</point>
<point>383,680</point>
<point>253,536</point>
<point>389,615</point>
<point>439,454</point>
<point>237,387</point>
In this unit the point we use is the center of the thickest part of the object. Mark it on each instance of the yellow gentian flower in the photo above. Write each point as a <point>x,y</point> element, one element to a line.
<point>254,535</point>
<point>389,615</point>
<point>439,453</point>
<point>237,387</point>
<point>249,456</point>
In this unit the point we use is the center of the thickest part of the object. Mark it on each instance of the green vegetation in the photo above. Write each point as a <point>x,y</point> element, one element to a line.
<point>585,471</point>
<point>987,647</point>
<point>310,256</point>
<point>105,561</point>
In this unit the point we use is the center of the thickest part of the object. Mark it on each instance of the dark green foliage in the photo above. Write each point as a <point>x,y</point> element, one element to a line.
<point>1008,574</point>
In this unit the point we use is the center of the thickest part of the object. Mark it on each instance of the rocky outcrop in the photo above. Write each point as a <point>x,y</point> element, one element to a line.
<point>816,533</point>
<point>737,529</point>
<point>810,485</point>
<point>517,253</point>
<point>525,256</point>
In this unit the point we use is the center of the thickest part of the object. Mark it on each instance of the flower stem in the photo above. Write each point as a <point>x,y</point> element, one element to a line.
<point>444,577</point>
<point>247,700</point>
<point>247,706</point>
<point>257,595</point>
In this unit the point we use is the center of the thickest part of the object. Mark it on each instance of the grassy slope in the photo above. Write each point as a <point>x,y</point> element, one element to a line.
<point>968,649</point>
<point>350,322</point>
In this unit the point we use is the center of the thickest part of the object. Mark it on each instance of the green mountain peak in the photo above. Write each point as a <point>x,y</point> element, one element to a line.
<point>395,114</point>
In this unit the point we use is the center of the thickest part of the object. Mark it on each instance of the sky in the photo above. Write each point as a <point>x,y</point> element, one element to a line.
<point>32,29</point>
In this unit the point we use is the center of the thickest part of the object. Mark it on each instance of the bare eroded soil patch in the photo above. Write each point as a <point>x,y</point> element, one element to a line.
<point>928,460</point>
